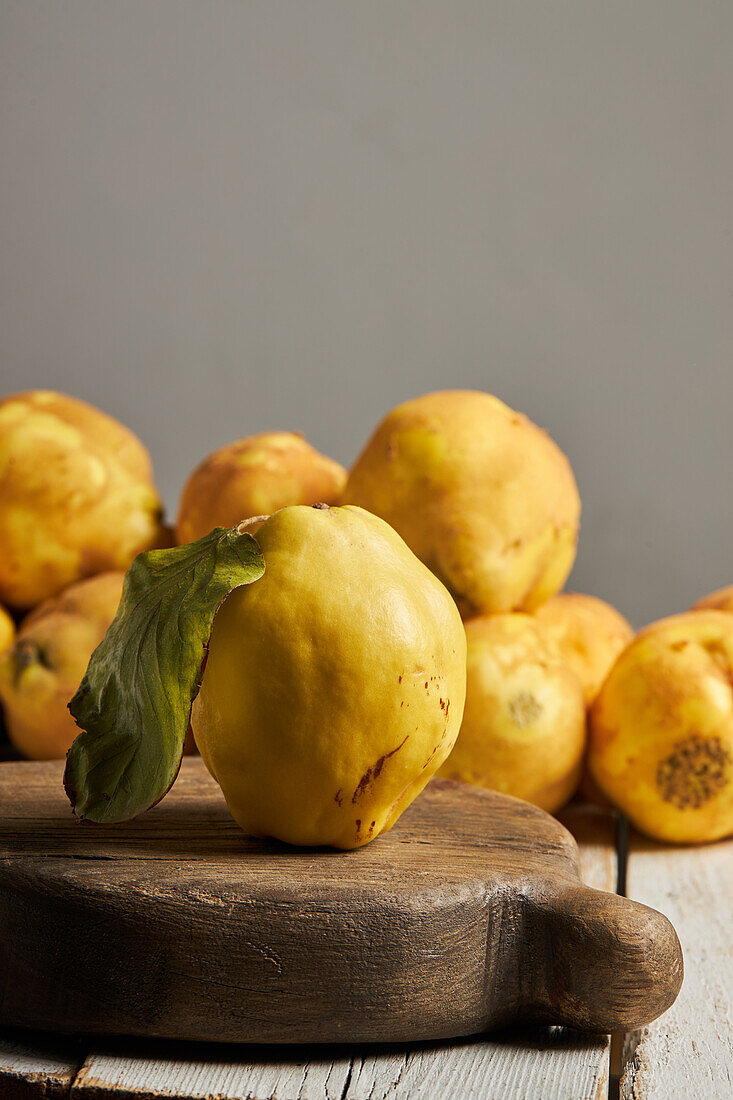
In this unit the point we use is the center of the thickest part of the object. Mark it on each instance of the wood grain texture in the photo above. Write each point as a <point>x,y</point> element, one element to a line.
<point>37,1067</point>
<point>251,1075</point>
<point>689,1052</point>
<point>470,914</point>
<point>544,1063</point>
<point>594,830</point>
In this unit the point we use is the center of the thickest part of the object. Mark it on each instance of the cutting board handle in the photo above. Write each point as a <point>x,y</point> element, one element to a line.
<point>611,963</point>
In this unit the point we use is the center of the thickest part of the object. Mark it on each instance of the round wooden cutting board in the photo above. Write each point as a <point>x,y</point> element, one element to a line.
<point>469,914</point>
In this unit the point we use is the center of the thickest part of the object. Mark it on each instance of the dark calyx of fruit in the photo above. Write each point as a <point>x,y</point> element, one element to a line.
<point>694,772</point>
<point>25,654</point>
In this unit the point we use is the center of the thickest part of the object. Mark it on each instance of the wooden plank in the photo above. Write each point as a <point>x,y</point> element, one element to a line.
<point>689,1051</point>
<point>544,1063</point>
<point>594,828</point>
<point>248,1073</point>
<point>34,1067</point>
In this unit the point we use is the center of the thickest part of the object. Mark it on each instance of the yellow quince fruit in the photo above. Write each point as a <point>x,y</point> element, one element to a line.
<point>334,685</point>
<point>661,729</point>
<point>479,493</point>
<point>523,730</point>
<point>588,635</point>
<point>7,629</point>
<point>40,672</point>
<point>720,600</point>
<point>76,495</point>
<point>253,477</point>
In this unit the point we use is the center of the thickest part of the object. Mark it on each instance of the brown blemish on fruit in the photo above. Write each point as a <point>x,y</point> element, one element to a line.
<point>371,828</point>
<point>399,679</point>
<point>338,797</point>
<point>694,772</point>
<point>721,660</point>
<point>358,828</point>
<point>373,773</point>
<point>677,647</point>
<point>430,758</point>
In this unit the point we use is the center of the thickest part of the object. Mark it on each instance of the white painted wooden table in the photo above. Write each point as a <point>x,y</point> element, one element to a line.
<point>687,1054</point>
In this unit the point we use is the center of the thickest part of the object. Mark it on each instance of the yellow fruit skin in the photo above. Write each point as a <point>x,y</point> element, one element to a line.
<point>587,633</point>
<point>253,477</point>
<point>7,630</point>
<point>42,670</point>
<point>334,685</point>
<point>661,729</point>
<point>76,495</point>
<point>523,730</point>
<point>720,600</point>
<point>479,493</point>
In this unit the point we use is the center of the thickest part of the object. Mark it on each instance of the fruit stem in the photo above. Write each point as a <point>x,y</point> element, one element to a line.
<point>247,526</point>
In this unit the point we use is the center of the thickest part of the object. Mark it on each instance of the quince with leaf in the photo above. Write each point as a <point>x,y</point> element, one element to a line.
<point>333,685</point>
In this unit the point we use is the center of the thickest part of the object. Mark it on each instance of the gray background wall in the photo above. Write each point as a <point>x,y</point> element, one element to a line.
<point>219,216</point>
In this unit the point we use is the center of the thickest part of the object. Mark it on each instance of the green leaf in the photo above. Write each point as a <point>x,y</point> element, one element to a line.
<point>134,703</point>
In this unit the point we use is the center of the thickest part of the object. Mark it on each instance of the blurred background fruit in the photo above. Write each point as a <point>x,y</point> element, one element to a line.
<point>40,672</point>
<point>255,476</point>
<point>76,495</point>
<point>720,600</point>
<point>661,729</point>
<point>560,696</point>
<point>588,635</point>
<point>523,730</point>
<point>481,494</point>
<point>7,629</point>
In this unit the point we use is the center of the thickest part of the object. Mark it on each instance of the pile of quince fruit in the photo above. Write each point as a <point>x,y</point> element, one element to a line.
<point>335,685</point>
